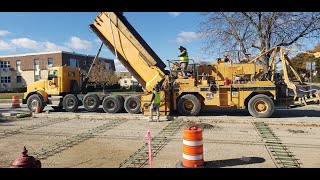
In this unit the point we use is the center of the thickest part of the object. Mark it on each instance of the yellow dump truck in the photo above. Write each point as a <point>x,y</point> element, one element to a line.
<point>221,84</point>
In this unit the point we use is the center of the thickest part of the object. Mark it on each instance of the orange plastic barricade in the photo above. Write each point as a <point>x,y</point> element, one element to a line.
<point>192,147</point>
<point>15,102</point>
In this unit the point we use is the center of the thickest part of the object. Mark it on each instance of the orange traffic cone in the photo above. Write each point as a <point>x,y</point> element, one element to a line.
<point>37,108</point>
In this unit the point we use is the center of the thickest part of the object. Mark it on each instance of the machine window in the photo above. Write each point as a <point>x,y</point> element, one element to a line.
<point>71,74</point>
<point>52,74</point>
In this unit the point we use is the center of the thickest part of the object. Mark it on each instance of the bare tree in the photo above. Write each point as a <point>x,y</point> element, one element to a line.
<point>240,32</point>
<point>101,77</point>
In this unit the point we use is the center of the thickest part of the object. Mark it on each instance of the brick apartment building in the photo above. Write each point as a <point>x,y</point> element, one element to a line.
<point>17,71</point>
<point>126,80</point>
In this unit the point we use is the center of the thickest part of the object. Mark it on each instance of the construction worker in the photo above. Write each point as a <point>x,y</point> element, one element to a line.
<point>155,103</point>
<point>184,61</point>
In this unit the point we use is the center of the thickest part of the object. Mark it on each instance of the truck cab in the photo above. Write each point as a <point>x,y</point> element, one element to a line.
<point>61,80</point>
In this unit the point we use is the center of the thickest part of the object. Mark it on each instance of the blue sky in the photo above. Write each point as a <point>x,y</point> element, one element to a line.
<point>30,32</point>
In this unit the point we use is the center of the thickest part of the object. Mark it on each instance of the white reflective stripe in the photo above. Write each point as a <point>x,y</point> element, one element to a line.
<point>192,143</point>
<point>192,158</point>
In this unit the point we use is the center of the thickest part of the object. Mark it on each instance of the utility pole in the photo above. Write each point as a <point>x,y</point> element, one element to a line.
<point>311,72</point>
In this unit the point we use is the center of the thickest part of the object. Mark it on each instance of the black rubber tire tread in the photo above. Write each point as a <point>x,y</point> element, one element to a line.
<point>115,100</point>
<point>39,99</point>
<point>129,99</point>
<point>196,105</point>
<point>96,102</point>
<point>267,99</point>
<point>76,103</point>
<point>121,102</point>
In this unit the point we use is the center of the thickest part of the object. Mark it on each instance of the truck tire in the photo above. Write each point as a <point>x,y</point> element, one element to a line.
<point>111,104</point>
<point>132,104</point>
<point>91,102</point>
<point>32,102</point>
<point>261,106</point>
<point>70,103</point>
<point>189,105</point>
<point>121,102</point>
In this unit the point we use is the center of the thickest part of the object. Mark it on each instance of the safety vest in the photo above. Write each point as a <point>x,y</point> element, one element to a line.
<point>184,58</point>
<point>156,99</point>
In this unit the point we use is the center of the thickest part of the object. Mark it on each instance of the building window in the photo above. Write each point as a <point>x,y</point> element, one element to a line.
<point>5,79</point>
<point>36,64</point>
<point>125,81</point>
<point>5,64</point>
<point>73,63</point>
<point>19,79</point>
<point>107,66</point>
<point>85,62</point>
<point>50,62</point>
<point>18,63</point>
<point>36,69</point>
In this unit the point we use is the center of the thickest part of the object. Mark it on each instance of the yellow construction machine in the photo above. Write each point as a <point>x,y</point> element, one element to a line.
<point>248,85</point>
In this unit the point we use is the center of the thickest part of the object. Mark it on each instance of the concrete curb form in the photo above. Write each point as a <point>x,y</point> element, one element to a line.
<point>100,116</point>
<point>16,114</point>
<point>8,114</point>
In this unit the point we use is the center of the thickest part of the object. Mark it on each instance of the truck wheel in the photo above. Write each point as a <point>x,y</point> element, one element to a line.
<point>261,106</point>
<point>33,101</point>
<point>132,104</point>
<point>91,102</point>
<point>70,103</point>
<point>188,105</point>
<point>111,104</point>
<point>121,102</point>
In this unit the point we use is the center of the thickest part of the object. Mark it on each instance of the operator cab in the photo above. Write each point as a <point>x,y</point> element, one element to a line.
<point>175,69</point>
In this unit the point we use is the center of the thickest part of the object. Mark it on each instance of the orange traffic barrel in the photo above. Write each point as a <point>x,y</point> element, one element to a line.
<point>192,156</point>
<point>15,102</point>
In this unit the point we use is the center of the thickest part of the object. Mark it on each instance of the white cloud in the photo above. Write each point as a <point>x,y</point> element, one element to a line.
<point>187,37</point>
<point>174,14</point>
<point>4,32</point>
<point>74,43</point>
<point>6,46</point>
<point>29,44</point>
<point>79,44</point>
<point>119,66</point>
<point>26,43</point>
<point>49,46</point>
